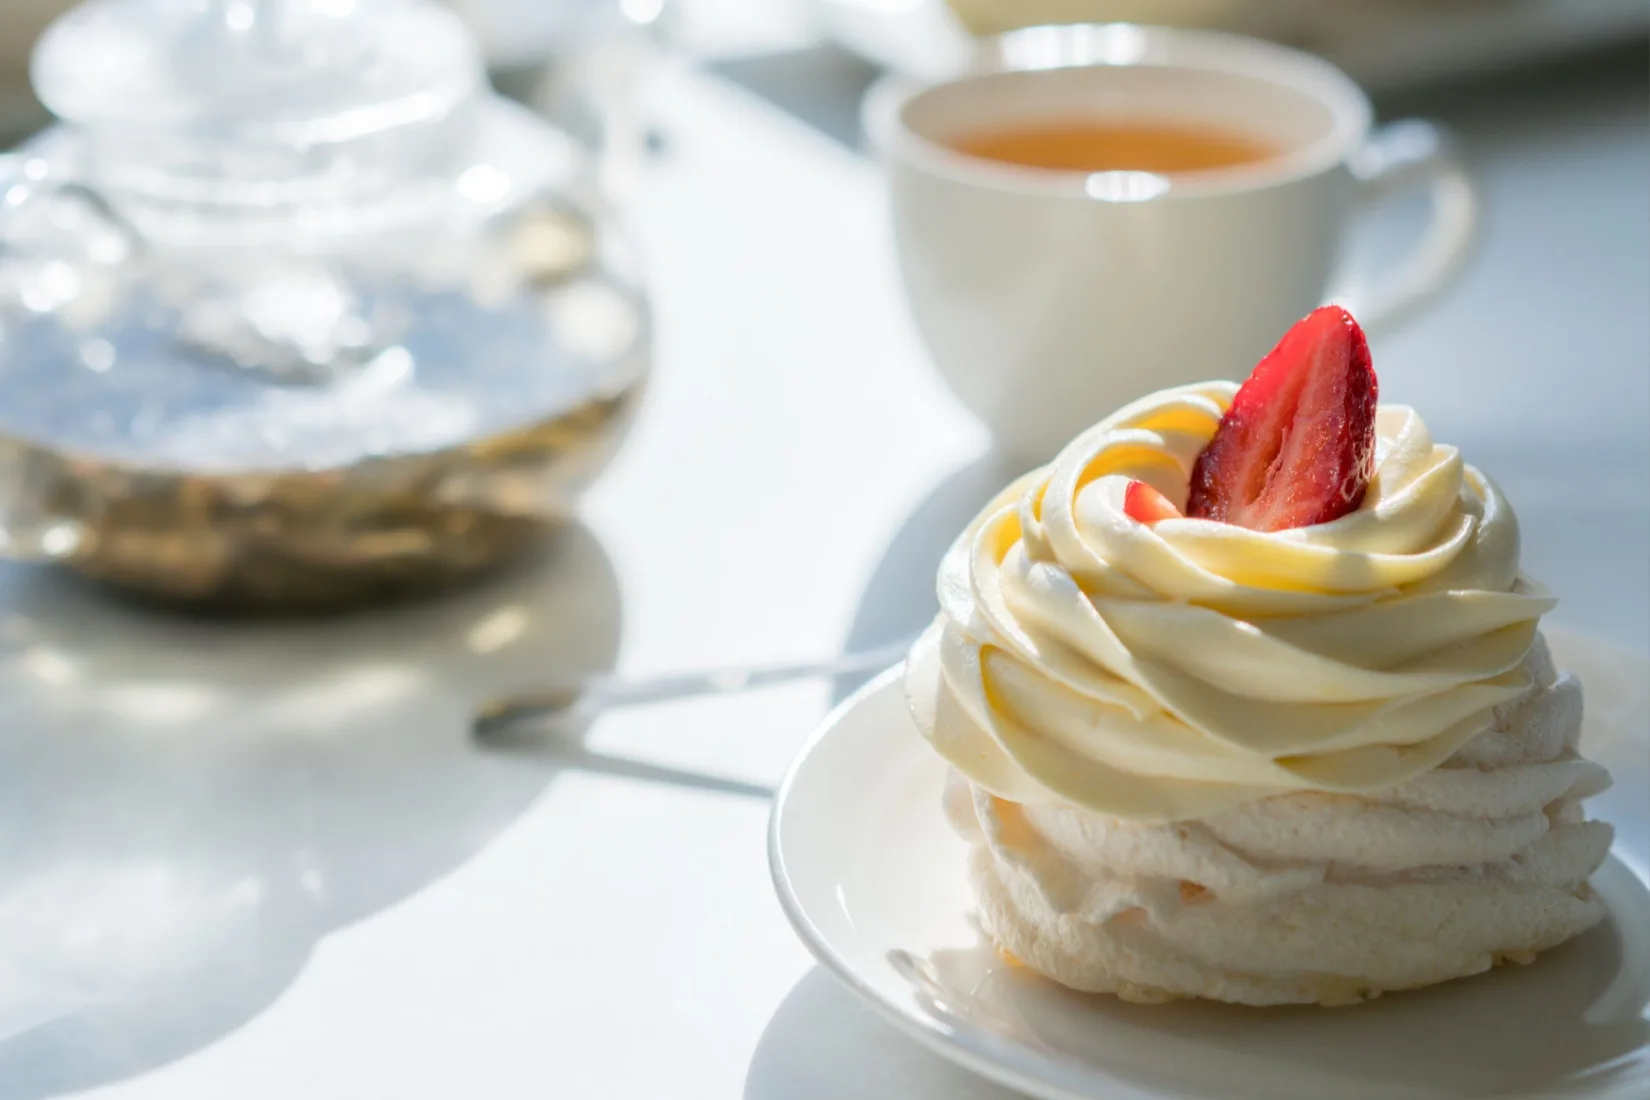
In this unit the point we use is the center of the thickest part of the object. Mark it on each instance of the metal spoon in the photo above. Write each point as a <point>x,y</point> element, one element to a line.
<point>586,698</point>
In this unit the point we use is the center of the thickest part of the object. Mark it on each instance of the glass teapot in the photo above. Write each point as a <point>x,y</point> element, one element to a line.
<point>294,312</point>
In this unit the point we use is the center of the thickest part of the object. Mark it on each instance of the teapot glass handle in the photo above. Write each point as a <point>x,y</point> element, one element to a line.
<point>33,526</point>
<point>98,235</point>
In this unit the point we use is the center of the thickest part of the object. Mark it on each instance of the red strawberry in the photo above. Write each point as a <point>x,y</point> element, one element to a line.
<point>1146,505</point>
<point>1297,447</point>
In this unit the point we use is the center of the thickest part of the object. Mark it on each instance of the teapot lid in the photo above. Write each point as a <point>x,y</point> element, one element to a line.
<point>249,102</point>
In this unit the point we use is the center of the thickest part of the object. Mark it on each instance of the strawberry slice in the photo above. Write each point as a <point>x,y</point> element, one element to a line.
<point>1146,505</point>
<point>1297,447</point>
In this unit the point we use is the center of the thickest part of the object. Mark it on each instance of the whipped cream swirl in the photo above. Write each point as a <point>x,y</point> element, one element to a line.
<point>1175,671</point>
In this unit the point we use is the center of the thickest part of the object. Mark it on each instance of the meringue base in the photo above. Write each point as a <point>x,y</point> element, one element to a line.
<point>1124,957</point>
<point>1309,897</point>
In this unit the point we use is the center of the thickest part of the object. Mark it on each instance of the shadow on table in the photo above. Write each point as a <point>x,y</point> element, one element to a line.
<point>899,599</point>
<point>819,85</point>
<point>1579,504</point>
<point>188,807</point>
<point>822,1044</point>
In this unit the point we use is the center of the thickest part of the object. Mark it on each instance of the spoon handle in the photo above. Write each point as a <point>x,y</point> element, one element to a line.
<point>599,693</point>
<point>611,692</point>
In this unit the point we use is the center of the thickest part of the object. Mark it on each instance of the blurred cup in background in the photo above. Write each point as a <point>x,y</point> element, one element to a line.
<point>1050,296</point>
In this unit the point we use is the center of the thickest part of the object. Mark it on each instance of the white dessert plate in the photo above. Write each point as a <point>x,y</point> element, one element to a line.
<point>874,882</point>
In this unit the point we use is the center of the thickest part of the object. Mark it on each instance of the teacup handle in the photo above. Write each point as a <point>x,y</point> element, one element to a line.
<point>1399,157</point>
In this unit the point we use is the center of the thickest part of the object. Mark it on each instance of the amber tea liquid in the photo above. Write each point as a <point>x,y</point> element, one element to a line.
<point>1093,145</point>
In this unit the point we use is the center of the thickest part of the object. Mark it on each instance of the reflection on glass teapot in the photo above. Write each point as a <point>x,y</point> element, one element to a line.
<point>294,312</point>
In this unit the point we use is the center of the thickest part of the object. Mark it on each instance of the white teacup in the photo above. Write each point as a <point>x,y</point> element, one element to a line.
<point>1049,298</point>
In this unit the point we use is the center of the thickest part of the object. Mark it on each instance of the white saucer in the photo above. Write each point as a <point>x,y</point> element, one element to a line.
<point>874,882</point>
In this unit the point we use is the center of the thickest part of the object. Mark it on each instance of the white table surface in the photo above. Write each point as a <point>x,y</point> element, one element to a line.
<point>249,865</point>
